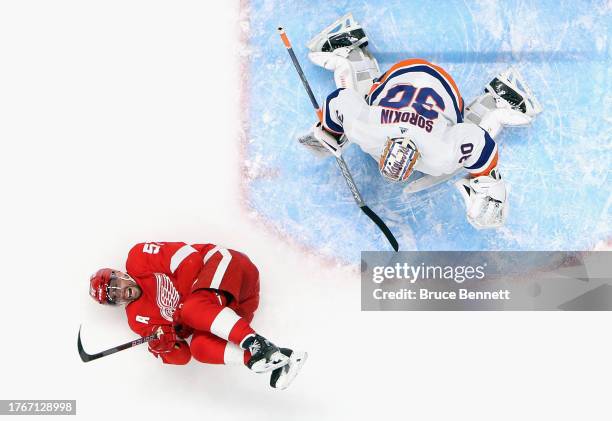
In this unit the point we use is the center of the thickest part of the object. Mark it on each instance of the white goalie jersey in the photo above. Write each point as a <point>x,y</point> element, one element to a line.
<point>418,100</point>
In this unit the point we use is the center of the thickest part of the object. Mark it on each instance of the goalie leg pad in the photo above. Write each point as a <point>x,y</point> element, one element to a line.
<point>485,200</point>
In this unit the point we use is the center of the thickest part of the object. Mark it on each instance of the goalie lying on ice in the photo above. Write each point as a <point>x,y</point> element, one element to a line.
<point>199,291</point>
<point>412,117</point>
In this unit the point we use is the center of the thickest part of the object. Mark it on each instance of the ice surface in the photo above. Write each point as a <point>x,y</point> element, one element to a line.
<point>119,125</point>
<point>558,169</point>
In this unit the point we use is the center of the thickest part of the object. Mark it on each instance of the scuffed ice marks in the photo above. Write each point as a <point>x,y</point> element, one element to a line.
<point>558,169</point>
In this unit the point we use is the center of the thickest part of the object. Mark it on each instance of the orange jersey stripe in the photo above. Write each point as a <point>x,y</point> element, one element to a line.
<point>412,62</point>
<point>491,166</point>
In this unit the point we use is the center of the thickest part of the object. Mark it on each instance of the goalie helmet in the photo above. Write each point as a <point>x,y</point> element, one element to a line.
<point>398,159</point>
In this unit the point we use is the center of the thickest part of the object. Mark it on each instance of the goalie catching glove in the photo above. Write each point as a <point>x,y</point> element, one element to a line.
<point>485,200</point>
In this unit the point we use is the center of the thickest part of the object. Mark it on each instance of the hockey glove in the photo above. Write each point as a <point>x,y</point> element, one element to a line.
<point>485,200</point>
<point>166,339</point>
<point>323,143</point>
<point>182,330</point>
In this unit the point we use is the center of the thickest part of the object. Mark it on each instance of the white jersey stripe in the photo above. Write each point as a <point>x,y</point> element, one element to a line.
<point>210,253</point>
<point>221,269</point>
<point>180,255</point>
<point>225,261</point>
<point>233,354</point>
<point>223,323</point>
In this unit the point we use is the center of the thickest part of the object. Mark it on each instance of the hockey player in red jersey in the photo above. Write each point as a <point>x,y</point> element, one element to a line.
<point>201,291</point>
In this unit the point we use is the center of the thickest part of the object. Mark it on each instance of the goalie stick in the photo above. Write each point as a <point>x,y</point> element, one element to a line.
<point>339,159</point>
<point>90,357</point>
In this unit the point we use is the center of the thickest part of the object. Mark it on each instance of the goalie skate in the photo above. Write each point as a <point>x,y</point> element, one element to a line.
<point>509,88</point>
<point>341,48</point>
<point>345,32</point>
<point>507,101</point>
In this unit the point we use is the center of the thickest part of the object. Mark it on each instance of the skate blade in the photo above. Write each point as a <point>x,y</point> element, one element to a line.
<point>291,370</point>
<point>346,21</point>
<point>278,360</point>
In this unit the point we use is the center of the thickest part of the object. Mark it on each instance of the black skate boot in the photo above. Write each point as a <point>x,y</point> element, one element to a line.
<point>265,356</point>
<point>510,87</point>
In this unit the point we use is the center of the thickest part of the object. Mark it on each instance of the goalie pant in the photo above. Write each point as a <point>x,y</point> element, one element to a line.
<point>210,292</point>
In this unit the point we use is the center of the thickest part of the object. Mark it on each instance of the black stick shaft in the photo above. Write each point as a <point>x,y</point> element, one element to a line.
<point>340,160</point>
<point>296,63</point>
<point>85,357</point>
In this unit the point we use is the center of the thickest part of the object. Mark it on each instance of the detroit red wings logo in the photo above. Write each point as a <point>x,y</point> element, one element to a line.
<point>167,296</point>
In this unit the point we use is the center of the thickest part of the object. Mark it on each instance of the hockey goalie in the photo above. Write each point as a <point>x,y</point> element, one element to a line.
<point>412,121</point>
<point>201,292</point>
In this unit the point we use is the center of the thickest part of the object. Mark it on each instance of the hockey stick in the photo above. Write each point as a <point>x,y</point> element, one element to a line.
<point>90,357</point>
<point>339,159</point>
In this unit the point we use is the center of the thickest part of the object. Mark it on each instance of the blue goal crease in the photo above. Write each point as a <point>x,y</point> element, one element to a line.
<point>558,168</point>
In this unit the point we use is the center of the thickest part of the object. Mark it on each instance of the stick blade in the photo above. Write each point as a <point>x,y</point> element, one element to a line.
<point>85,357</point>
<point>382,226</point>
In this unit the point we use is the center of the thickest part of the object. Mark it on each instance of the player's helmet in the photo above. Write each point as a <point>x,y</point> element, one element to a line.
<point>98,285</point>
<point>109,286</point>
<point>398,159</point>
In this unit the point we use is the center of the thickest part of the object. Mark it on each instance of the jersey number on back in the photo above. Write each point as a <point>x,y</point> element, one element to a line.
<point>401,96</point>
<point>150,248</point>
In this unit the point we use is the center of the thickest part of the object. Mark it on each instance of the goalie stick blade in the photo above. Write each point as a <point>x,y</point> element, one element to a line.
<point>381,225</point>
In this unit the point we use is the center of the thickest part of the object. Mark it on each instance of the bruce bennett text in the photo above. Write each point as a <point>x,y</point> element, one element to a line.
<point>425,294</point>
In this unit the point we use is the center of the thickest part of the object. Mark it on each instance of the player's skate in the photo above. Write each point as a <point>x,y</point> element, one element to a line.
<point>282,377</point>
<point>341,48</point>
<point>507,101</point>
<point>265,356</point>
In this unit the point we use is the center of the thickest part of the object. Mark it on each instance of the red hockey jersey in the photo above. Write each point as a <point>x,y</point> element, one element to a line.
<point>169,271</point>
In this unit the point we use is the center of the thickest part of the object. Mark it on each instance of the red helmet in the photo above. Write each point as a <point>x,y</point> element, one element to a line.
<point>98,285</point>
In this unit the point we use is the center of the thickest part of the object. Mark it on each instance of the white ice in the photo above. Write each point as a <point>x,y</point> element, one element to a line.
<point>119,122</point>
